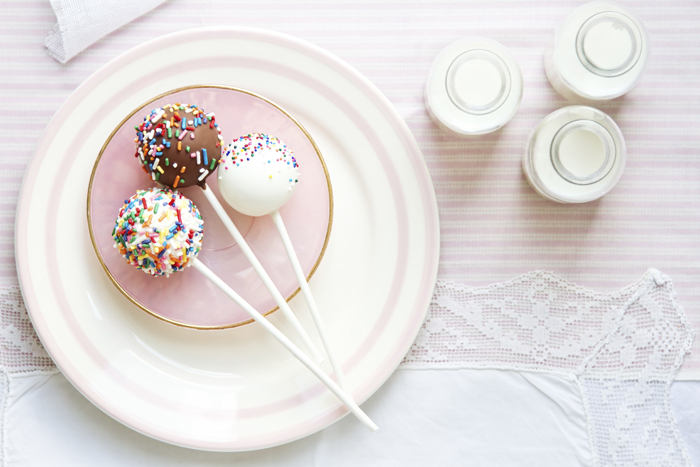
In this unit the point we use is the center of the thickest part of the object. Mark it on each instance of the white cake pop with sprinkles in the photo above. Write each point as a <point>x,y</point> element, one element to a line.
<point>158,231</point>
<point>257,174</point>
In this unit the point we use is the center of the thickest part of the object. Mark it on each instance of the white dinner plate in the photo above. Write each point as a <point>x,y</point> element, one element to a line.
<point>235,389</point>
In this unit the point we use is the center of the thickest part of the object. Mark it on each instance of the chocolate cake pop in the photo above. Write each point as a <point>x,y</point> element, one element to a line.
<point>158,231</point>
<point>179,145</point>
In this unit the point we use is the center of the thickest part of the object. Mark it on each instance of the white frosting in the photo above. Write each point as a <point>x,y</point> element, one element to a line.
<point>257,174</point>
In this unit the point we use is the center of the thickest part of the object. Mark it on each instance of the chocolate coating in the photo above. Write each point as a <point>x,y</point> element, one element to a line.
<point>167,150</point>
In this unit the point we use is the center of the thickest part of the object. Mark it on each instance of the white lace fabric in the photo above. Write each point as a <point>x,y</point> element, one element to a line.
<point>21,352</point>
<point>623,350</point>
<point>20,348</point>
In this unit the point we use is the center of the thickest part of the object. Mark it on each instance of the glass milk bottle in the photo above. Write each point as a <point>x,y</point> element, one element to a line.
<point>598,53</point>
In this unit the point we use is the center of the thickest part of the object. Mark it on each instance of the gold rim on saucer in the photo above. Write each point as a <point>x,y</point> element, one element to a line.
<point>140,108</point>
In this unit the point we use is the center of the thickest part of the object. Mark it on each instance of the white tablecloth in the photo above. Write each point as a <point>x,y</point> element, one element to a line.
<point>427,417</point>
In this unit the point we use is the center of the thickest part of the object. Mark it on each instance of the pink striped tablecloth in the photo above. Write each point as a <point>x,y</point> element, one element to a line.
<point>494,226</point>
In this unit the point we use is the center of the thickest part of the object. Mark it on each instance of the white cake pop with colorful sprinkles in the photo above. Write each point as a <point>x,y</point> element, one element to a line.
<point>158,231</point>
<point>257,174</point>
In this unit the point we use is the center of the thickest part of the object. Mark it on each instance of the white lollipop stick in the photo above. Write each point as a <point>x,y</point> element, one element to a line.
<point>277,219</point>
<point>301,356</point>
<point>257,176</point>
<point>284,306</point>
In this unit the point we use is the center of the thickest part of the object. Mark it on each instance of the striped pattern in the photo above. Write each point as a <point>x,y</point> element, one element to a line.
<point>494,227</point>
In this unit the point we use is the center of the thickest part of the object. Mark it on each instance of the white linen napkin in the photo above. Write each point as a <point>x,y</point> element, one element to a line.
<point>82,22</point>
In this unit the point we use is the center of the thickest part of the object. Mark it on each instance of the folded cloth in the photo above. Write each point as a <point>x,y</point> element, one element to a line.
<point>83,22</point>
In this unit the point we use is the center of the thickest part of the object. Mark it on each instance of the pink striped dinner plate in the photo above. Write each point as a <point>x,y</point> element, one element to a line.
<point>233,389</point>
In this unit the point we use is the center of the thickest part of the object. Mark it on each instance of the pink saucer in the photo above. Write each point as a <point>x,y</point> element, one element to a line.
<point>187,298</point>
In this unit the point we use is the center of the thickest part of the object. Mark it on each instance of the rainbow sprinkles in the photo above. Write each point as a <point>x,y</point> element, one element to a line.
<point>158,231</point>
<point>241,149</point>
<point>178,145</point>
